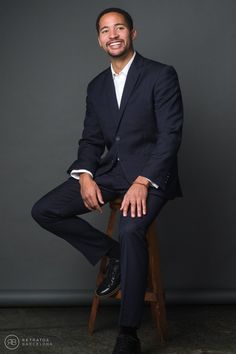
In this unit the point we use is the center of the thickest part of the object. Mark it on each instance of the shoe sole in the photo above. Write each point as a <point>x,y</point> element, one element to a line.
<point>110,294</point>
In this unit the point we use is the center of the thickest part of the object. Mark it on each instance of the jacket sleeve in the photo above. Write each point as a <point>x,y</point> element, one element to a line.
<point>168,109</point>
<point>92,144</point>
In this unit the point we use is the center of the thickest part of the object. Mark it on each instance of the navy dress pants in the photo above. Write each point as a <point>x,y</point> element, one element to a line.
<point>58,212</point>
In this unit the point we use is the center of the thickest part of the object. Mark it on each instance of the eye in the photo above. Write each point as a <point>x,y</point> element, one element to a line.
<point>120,28</point>
<point>104,31</point>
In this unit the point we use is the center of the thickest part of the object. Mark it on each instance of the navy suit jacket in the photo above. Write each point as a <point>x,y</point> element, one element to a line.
<point>145,132</point>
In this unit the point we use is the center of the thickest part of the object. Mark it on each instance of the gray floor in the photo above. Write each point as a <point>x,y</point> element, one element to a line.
<point>192,330</point>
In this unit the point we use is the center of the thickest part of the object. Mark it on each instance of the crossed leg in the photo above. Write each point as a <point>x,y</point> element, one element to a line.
<point>58,211</point>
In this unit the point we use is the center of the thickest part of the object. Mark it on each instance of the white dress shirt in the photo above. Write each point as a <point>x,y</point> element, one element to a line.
<point>119,83</point>
<point>119,79</point>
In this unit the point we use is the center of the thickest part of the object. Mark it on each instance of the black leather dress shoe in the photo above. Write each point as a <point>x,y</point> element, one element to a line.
<point>126,344</point>
<point>111,282</point>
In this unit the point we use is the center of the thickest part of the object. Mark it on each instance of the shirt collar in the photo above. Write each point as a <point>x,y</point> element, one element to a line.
<point>125,69</point>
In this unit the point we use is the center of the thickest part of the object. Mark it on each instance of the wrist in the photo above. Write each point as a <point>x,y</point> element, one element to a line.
<point>85,176</point>
<point>142,184</point>
<point>142,180</point>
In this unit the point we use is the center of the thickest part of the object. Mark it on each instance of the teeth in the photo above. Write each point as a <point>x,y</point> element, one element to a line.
<point>114,44</point>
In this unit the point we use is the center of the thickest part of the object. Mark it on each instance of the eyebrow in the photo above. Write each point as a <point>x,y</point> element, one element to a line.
<point>117,24</point>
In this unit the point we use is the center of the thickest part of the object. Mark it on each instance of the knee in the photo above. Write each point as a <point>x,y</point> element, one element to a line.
<point>40,213</point>
<point>130,232</point>
<point>37,212</point>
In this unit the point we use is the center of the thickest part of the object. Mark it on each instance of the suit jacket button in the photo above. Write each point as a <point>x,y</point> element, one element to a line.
<point>117,138</point>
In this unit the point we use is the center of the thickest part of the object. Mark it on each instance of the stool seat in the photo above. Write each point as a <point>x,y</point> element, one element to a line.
<point>154,293</point>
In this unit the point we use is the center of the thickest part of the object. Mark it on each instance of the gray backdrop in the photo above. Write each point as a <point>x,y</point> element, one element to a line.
<point>49,52</point>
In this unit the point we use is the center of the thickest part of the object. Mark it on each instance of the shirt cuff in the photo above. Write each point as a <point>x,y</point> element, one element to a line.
<point>75,173</point>
<point>152,183</point>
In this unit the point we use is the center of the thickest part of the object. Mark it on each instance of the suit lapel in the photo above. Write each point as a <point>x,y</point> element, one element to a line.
<point>131,80</point>
<point>130,84</point>
<point>110,95</point>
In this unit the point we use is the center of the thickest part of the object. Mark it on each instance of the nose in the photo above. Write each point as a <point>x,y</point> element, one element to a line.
<point>113,33</point>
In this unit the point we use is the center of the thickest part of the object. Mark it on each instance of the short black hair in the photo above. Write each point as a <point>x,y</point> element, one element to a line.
<point>125,14</point>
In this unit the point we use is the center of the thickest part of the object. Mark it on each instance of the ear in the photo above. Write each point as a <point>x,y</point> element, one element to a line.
<point>99,42</point>
<point>133,34</point>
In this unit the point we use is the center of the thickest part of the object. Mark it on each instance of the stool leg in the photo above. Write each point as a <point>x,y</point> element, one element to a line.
<point>93,314</point>
<point>159,321</point>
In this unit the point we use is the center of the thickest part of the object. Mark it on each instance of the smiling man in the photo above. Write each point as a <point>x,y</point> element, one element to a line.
<point>134,110</point>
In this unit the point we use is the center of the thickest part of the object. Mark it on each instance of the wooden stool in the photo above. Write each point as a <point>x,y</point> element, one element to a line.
<point>154,294</point>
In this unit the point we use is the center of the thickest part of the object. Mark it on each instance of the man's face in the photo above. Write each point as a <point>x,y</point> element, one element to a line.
<point>114,36</point>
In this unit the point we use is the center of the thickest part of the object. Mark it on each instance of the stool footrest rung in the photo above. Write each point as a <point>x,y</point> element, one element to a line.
<point>149,296</point>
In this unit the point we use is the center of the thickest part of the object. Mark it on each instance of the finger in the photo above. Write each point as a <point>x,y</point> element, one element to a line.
<point>139,208</point>
<point>144,206</point>
<point>125,208</point>
<point>123,203</point>
<point>87,206</point>
<point>133,209</point>
<point>94,203</point>
<point>99,196</point>
<point>91,202</point>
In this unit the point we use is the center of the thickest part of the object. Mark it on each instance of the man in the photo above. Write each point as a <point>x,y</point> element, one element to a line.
<point>134,110</point>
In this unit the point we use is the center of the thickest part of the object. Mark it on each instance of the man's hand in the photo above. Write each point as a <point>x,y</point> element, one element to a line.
<point>90,192</point>
<point>136,197</point>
